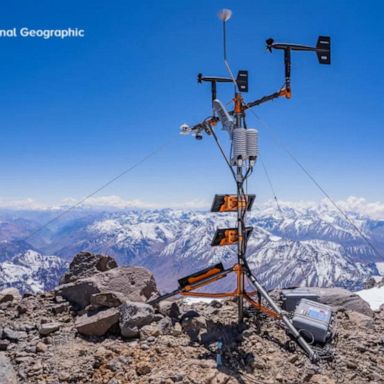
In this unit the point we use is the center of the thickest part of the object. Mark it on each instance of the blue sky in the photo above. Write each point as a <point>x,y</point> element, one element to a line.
<point>76,112</point>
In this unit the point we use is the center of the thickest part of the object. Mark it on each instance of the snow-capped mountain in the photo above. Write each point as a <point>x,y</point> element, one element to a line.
<point>174,243</point>
<point>324,222</point>
<point>293,245</point>
<point>29,271</point>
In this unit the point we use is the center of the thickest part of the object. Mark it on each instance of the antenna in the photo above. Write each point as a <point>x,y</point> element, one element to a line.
<point>224,16</point>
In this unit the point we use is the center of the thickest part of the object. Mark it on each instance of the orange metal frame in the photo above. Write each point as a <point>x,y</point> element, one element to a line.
<point>240,275</point>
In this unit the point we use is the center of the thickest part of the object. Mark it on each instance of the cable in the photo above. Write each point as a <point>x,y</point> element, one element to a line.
<point>223,153</point>
<point>105,185</point>
<point>225,57</point>
<point>271,186</point>
<point>316,183</point>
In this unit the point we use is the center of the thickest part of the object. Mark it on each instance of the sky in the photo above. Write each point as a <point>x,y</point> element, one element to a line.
<point>76,112</point>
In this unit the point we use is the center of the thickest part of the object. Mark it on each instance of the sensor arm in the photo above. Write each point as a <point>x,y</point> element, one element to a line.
<point>213,80</point>
<point>284,92</point>
<point>208,124</point>
<point>287,69</point>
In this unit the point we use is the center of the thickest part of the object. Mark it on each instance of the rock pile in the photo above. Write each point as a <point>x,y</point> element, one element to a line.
<point>97,328</point>
<point>86,264</point>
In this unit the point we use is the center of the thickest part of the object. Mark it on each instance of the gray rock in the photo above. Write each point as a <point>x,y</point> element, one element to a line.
<point>4,345</point>
<point>193,324</point>
<point>21,309</point>
<point>9,294</point>
<point>361,321</point>
<point>166,326</point>
<point>177,330</point>
<point>148,331</point>
<point>370,283</point>
<point>59,308</point>
<point>48,328</point>
<point>12,335</point>
<point>41,347</point>
<point>86,264</point>
<point>78,293</point>
<point>169,308</point>
<point>7,373</point>
<point>97,324</point>
<point>342,298</point>
<point>134,283</point>
<point>379,313</point>
<point>143,368</point>
<point>216,304</point>
<point>26,305</point>
<point>30,349</point>
<point>108,299</point>
<point>134,316</point>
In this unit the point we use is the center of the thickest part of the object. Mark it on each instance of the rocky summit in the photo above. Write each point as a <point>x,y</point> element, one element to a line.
<point>96,327</point>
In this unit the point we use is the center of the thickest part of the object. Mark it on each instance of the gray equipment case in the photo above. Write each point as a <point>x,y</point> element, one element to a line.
<point>313,320</point>
<point>291,297</point>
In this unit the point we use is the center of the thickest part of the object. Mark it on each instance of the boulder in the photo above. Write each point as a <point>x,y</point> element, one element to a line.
<point>133,316</point>
<point>134,283</point>
<point>86,264</point>
<point>341,298</point>
<point>108,299</point>
<point>78,293</point>
<point>360,320</point>
<point>9,294</point>
<point>97,324</point>
<point>7,373</point>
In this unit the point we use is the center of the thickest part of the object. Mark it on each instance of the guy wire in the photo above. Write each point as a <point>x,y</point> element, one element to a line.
<point>105,185</point>
<point>316,183</point>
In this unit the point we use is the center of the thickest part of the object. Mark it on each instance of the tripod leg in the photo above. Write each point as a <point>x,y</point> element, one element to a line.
<point>258,317</point>
<point>164,297</point>
<point>240,304</point>
<point>238,268</point>
<point>299,339</point>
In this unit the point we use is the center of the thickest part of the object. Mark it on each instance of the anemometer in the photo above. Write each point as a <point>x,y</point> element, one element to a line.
<point>241,161</point>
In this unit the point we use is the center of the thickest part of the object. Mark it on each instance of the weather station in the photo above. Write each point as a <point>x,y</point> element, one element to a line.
<point>241,162</point>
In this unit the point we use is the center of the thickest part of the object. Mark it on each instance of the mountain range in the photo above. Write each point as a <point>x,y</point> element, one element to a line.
<point>290,246</point>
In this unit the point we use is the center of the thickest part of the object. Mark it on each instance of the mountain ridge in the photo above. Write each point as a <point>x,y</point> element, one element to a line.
<point>295,245</point>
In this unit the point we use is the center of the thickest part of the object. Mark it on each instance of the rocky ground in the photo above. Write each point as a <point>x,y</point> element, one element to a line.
<point>96,328</point>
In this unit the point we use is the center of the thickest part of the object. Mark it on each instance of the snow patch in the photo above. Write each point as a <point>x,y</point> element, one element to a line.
<point>373,296</point>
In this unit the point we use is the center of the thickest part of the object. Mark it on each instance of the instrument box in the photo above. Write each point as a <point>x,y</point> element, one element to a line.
<point>291,297</point>
<point>313,321</point>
